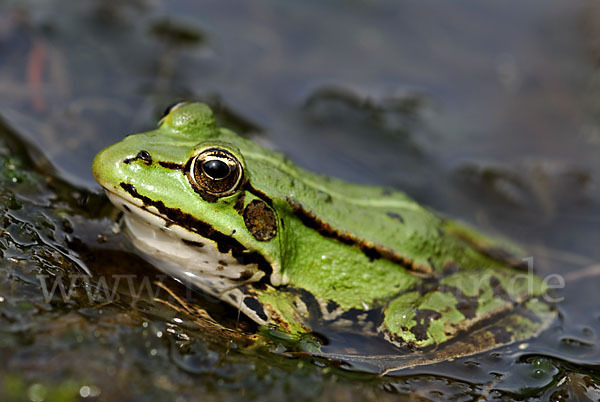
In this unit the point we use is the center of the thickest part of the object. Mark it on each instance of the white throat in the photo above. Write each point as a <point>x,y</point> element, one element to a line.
<point>182,254</point>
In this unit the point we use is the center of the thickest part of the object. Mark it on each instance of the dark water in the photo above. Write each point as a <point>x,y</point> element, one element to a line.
<point>485,111</point>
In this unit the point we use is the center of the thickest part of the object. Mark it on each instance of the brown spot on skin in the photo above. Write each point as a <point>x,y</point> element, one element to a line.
<point>220,267</point>
<point>223,263</point>
<point>395,216</point>
<point>423,318</point>
<point>370,249</point>
<point>170,165</point>
<point>144,156</point>
<point>260,220</point>
<point>225,244</point>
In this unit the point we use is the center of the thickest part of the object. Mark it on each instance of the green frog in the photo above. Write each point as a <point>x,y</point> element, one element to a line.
<point>290,248</point>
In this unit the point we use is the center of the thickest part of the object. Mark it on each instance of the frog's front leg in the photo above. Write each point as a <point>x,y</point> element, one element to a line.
<point>269,307</point>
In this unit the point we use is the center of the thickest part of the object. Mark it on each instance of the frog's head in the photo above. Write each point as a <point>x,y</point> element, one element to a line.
<point>187,196</point>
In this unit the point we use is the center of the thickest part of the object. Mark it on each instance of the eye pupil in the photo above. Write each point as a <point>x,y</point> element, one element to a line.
<point>216,169</point>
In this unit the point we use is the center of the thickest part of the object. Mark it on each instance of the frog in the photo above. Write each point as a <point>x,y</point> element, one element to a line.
<point>290,248</point>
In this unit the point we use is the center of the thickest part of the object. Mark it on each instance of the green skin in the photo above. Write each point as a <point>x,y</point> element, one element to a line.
<point>345,248</point>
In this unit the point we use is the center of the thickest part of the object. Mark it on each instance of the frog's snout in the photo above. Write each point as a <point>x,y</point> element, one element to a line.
<point>108,166</point>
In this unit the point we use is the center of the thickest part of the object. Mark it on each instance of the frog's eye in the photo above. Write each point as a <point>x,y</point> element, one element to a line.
<point>216,171</point>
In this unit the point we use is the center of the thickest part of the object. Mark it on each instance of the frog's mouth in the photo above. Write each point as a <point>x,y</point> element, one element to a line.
<point>184,254</point>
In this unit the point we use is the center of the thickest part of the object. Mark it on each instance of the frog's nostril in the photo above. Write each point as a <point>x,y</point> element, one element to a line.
<point>144,156</point>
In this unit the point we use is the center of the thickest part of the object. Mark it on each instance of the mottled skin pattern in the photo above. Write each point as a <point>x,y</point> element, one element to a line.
<point>320,241</point>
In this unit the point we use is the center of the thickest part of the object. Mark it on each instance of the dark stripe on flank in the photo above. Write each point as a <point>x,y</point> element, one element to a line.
<point>370,249</point>
<point>225,244</point>
<point>239,203</point>
<point>248,187</point>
